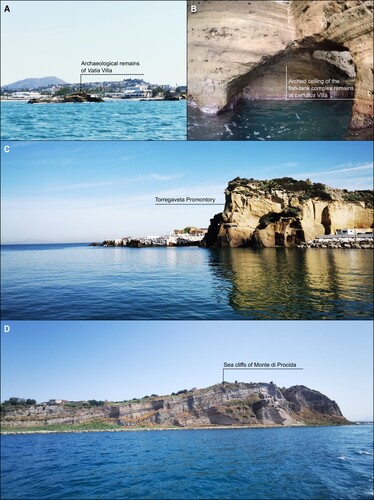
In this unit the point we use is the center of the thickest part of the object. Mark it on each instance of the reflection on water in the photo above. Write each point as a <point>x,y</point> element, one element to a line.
<point>273,120</point>
<point>297,284</point>
<point>65,282</point>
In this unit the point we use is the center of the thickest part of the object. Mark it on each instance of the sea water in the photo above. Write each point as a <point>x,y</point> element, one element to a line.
<point>315,463</point>
<point>77,281</point>
<point>273,121</point>
<point>120,119</point>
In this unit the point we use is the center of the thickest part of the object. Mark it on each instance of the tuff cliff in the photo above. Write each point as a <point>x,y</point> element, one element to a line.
<point>241,48</point>
<point>226,404</point>
<point>285,212</point>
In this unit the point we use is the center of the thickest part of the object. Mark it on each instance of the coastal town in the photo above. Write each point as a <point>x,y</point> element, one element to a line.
<point>130,88</point>
<point>189,236</point>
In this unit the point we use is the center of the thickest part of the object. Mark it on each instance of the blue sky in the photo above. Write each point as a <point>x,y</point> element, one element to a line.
<point>122,360</point>
<point>90,191</point>
<point>53,38</point>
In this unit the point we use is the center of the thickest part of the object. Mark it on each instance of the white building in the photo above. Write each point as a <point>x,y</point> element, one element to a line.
<point>23,96</point>
<point>137,91</point>
<point>345,232</point>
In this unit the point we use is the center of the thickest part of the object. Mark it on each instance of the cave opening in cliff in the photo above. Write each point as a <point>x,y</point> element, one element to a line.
<point>260,106</point>
<point>290,93</point>
<point>318,66</point>
<point>326,220</point>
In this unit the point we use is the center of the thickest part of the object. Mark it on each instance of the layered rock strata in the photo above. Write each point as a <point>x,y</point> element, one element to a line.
<point>249,404</point>
<point>242,48</point>
<point>285,212</point>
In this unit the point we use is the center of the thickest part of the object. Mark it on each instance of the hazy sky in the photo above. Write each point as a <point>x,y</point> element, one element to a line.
<point>90,191</point>
<point>123,360</point>
<point>53,38</point>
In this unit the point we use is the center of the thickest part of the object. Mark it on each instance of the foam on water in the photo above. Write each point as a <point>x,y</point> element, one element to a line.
<point>273,120</point>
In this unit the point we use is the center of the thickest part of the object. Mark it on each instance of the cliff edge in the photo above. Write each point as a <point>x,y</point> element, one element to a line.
<point>285,212</point>
<point>225,404</point>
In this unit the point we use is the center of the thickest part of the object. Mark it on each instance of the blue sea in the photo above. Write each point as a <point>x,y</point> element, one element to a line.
<point>324,463</point>
<point>273,121</point>
<point>79,282</point>
<point>111,120</point>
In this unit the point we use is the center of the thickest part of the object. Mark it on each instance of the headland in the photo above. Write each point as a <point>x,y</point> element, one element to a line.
<point>225,405</point>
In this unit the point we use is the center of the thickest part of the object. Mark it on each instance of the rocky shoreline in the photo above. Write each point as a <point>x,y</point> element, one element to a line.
<point>285,212</point>
<point>330,243</point>
<point>189,428</point>
<point>224,405</point>
<point>152,241</point>
<point>359,243</point>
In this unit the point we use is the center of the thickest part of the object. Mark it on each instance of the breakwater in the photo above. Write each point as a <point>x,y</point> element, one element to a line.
<point>153,241</point>
<point>340,242</point>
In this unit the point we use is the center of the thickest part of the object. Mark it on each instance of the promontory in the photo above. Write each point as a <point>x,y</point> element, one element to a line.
<point>222,405</point>
<point>285,212</point>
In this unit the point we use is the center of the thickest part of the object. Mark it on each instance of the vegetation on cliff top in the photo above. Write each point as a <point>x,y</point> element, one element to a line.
<point>194,408</point>
<point>306,189</point>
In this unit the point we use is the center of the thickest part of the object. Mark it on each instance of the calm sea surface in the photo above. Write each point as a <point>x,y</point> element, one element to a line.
<point>57,282</point>
<point>273,120</point>
<point>326,463</point>
<point>118,119</point>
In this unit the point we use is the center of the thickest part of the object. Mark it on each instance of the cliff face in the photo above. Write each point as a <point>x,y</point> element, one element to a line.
<point>349,25</point>
<point>242,47</point>
<point>226,40</point>
<point>254,404</point>
<point>285,212</point>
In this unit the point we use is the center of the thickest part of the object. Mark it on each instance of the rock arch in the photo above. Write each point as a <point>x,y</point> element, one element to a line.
<point>233,44</point>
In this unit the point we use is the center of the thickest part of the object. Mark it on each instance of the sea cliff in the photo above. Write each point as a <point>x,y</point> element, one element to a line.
<point>225,404</point>
<point>285,212</point>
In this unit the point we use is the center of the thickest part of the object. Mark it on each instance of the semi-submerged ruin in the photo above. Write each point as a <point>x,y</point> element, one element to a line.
<point>241,49</point>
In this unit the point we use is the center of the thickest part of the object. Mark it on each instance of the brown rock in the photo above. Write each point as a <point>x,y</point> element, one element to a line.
<point>242,47</point>
<point>249,404</point>
<point>265,214</point>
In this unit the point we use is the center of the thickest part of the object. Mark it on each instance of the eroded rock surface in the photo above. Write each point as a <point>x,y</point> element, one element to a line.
<point>76,97</point>
<point>253,404</point>
<point>285,212</point>
<point>242,46</point>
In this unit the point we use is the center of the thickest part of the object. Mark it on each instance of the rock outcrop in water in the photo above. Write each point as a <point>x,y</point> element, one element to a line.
<point>238,404</point>
<point>285,212</point>
<point>76,97</point>
<point>242,48</point>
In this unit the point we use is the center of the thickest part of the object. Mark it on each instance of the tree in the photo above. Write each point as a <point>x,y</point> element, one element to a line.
<point>12,401</point>
<point>94,402</point>
<point>62,91</point>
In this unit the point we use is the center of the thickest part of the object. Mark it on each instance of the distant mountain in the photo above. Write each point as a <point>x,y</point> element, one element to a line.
<point>34,83</point>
